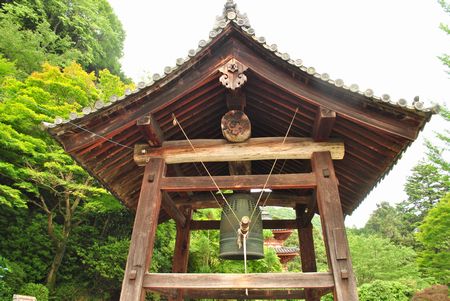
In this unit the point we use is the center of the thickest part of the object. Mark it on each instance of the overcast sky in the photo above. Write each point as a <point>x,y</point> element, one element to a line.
<point>390,46</point>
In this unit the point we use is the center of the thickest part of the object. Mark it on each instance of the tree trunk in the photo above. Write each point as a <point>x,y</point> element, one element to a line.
<point>57,260</point>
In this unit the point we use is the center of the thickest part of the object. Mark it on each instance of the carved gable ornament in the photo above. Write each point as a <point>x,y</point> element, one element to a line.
<point>233,74</point>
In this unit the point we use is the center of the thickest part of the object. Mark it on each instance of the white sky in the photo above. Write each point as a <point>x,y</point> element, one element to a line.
<point>390,46</point>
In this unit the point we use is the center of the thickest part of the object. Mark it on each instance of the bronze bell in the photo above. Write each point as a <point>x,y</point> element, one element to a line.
<point>243,205</point>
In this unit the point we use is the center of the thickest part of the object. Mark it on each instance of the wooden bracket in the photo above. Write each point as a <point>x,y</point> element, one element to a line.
<point>233,74</point>
<point>151,130</point>
<point>323,124</point>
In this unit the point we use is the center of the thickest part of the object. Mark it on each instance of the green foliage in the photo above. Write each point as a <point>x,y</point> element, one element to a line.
<point>388,221</point>
<point>380,290</point>
<point>36,290</point>
<point>56,31</point>
<point>36,173</point>
<point>434,235</point>
<point>445,58</point>
<point>376,258</point>
<point>7,68</point>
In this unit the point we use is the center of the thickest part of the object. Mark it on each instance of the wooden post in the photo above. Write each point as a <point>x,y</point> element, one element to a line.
<point>333,228</point>
<point>181,254</point>
<point>143,237</point>
<point>307,252</point>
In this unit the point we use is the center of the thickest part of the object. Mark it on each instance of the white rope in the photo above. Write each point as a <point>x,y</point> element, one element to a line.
<point>273,165</point>
<point>175,121</point>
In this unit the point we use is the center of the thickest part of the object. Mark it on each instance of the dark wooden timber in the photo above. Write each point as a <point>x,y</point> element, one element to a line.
<point>323,124</point>
<point>151,130</point>
<point>332,219</point>
<point>220,150</point>
<point>144,229</point>
<point>171,209</point>
<point>283,181</point>
<point>181,253</point>
<point>355,113</point>
<point>238,281</point>
<point>307,252</point>
<point>267,224</point>
<point>276,198</point>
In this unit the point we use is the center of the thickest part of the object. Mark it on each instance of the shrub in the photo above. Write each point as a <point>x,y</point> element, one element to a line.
<point>36,290</point>
<point>380,290</point>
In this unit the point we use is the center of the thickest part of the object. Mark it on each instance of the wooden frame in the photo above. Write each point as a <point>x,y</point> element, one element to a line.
<point>341,279</point>
<point>220,150</point>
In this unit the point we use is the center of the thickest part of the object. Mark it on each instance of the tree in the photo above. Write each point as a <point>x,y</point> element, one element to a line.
<point>34,170</point>
<point>59,32</point>
<point>376,258</point>
<point>445,58</point>
<point>386,221</point>
<point>434,235</point>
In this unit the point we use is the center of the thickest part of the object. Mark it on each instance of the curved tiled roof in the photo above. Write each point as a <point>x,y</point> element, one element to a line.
<point>232,15</point>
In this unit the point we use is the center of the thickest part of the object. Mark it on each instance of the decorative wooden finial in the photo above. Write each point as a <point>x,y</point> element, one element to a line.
<point>233,74</point>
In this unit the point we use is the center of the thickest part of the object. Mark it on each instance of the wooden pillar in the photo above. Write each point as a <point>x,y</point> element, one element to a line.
<point>307,252</point>
<point>181,253</point>
<point>333,228</point>
<point>144,229</point>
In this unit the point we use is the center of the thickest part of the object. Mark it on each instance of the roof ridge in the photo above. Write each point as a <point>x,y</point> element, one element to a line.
<point>232,15</point>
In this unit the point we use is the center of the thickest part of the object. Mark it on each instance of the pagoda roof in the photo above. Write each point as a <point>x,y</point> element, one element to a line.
<point>375,129</point>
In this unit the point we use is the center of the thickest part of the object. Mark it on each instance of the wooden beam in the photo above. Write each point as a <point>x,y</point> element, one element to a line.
<point>238,281</point>
<point>181,252</point>
<point>276,198</point>
<point>282,181</point>
<point>240,294</point>
<point>350,110</point>
<point>333,227</point>
<point>323,124</point>
<point>220,150</point>
<point>240,168</point>
<point>267,224</point>
<point>151,130</point>
<point>144,229</point>
<point>307,252</point>
<point>291,294</point>
<point>171,209</point>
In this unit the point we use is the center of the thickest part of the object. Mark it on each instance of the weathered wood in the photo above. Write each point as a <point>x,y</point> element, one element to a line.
<point>181,253</point>
<point>307,252</point>
<point>233,74</point>
<point>240,294</point>
<point>236,126</point>
<point>236,100</point>
<point>260,294</point>
<point>236,281</point>
<point>171,209</point>
<point>144,229</point>
<point>283,181</point>
<point>267,224</point>
<point>332,218</point>
<point>323,124</point>
<point>151,130</point>
<point>219,150</point>
<point>349,110</point>
<point>276,198</point>
<point>240,168</point>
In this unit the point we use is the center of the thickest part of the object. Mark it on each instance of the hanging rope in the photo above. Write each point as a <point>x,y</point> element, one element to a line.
<point>273,165</point>
<point>175,122</point>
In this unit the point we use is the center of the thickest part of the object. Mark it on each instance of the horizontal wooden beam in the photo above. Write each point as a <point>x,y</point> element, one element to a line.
<point>283,181</point>
<point>237,281</point>
<point>220,150</point>
<point>267,224</point>
<point>252,294</point>
<point>276,198</point>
